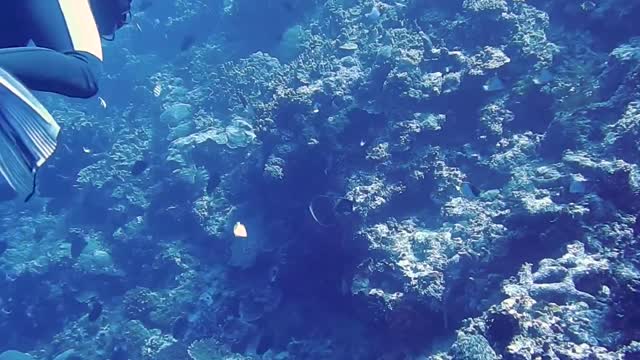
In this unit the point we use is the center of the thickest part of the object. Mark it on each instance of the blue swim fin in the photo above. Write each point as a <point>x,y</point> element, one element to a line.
<point>28,135</point>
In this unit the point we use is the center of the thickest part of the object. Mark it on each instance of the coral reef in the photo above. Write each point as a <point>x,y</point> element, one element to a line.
<point>418,180</point>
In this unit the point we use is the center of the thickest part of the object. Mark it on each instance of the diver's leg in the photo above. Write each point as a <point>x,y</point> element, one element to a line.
<point>68,54</point>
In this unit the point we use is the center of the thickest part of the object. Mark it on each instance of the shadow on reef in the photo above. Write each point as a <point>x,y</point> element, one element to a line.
<point>607,34</point>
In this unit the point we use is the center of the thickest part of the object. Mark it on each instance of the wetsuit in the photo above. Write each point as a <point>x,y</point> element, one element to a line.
<point>67,56</point>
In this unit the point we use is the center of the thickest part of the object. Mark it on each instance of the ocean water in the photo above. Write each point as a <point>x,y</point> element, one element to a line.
<point>340,179</point>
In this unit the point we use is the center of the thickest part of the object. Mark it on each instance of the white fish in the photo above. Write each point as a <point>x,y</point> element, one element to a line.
<point>86,150</point>
<point>157,90</point>
<point>103,102</point>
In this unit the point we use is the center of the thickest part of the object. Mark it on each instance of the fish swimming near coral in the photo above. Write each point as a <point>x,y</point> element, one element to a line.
<point>326,209</point>
<point>239,230</point>
<point>95,309</point>
<point>103,102</point>
<point>157,90</point>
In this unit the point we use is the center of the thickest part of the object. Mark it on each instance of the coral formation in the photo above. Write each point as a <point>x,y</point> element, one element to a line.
<point>477,162</point>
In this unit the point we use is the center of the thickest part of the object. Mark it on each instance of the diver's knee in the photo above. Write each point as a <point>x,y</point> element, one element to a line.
<point>89,88</point>
<point>87,81</point>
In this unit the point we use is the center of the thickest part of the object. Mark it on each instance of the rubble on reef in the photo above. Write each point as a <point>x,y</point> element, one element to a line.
<point>419,180</point>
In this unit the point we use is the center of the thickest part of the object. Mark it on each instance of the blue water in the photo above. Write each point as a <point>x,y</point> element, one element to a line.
<point>418,180</point>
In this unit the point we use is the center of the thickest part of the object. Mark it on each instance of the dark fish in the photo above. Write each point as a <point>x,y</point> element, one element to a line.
<point>95,310</point>
<point>78,243</point>
<point>326,210</point>
<point>180,327</point>
<point>187,42</point>
<point>139,167</point>
<point>4,245</point>
<point>636,226</point>
<point>343,206</point>
<point>322,210</point>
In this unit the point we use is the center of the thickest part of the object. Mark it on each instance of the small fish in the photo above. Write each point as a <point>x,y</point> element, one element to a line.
<point>103,102</point>
<point>139,167</point>
<point>239,230</point>
<point>95,309</point>
<point>636,226</point>
<point>323,209</point>
<point>316,108</point>
<point>86,150</point>
<point>138,27</point>
<point>180,327</point>
<point>4,245</point>
<point>187,42</point>
<point>157,90</point>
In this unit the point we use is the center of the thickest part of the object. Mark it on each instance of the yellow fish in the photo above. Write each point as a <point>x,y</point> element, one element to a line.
<point>239,230</point>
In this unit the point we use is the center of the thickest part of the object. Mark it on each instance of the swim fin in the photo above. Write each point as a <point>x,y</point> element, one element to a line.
<point>28,135</point>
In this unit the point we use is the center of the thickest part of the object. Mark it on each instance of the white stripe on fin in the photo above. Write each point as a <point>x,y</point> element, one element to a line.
<point>82,26</point>
<point>28,134</point>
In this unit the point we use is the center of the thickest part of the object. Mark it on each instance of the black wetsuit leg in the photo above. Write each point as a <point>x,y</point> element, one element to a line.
<point>55,64</point>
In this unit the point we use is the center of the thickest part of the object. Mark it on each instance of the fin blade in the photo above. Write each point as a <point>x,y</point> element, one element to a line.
<point>28,134</point>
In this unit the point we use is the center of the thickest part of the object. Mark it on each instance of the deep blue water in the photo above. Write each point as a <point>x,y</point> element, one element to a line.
<point>418,180</point>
